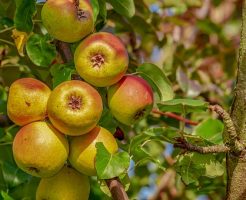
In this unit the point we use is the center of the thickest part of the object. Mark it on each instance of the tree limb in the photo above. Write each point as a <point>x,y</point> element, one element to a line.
<point>183,144</point>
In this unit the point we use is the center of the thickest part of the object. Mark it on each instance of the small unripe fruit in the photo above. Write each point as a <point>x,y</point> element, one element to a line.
<point>130,100</point>
<point>27,101</point>
<point>40,150</point>
<point>67,184</point>
<point>101,59</point>
<point>83,150</point>
<point>68,20</point>
<point>74,107</point>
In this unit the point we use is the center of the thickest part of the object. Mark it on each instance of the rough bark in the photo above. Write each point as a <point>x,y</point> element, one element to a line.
<point>236,163</point>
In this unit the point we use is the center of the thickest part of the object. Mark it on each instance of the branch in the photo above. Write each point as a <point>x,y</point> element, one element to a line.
<point>174,116</point>
<point>183,144</point>
<point>64,50</point>
<point>116,189</point>
<point>230,128</point>
<point>114,184</point>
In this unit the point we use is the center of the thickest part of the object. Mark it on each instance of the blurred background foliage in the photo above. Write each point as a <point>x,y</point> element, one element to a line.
<point>194,42</point>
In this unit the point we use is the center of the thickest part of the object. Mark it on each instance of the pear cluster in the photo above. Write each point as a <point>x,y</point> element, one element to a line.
<point>59,128</point>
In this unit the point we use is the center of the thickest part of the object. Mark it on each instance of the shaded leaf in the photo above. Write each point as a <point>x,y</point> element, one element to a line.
<point>61,73</point>
<point>110,165</point>
<point>125,8</point>
<point>25,10</point>
<point>157,79</point>
<point>40,50</point>
<point>13,176</point>
<point>183,106</point>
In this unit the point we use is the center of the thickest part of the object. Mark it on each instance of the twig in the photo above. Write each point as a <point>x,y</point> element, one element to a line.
<point>4,121</point>
<point>183,144</point>
<point>64,50</point>
<point>6,29</point>
<point>174,116</point>
<point>114,184</point>
<point>230,128</point>
<point>117,190</point>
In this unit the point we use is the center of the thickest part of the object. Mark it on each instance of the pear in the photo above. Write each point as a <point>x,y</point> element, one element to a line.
<point>74,107</point>
<point>27,101</point>
<point>39,149</point>
<point>67,184</point>
<point>130,100</point>
<point>101,59</point>
<point>68,20</point>
<point>83,150</point>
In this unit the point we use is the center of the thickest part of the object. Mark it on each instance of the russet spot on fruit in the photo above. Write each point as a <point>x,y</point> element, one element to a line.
<point>39,149</point>
<point>83,151</point>
<point>68,20</point>
<point>74,107</point>
<point>67,184</point>
<point>27,101</point>
<point>101,59</point>
<point>130,100</point>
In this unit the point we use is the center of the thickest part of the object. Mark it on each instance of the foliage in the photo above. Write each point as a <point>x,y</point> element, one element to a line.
<point>192,45</point>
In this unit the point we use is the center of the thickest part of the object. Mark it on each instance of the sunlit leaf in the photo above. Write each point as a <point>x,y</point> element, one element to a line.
<point>125,8</point>
<point>183,106</point>
<point>110,165</point>
<point>157,79</point>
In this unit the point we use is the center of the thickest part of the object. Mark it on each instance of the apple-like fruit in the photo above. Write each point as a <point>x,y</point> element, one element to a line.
<point>83,150</point>
<point>74,107</point>
<point>130,100</point>
<point>27,101</point>
<point>101,59</point>
<point>67,184</point>
<point>68,20</point>
<point>39,149</point>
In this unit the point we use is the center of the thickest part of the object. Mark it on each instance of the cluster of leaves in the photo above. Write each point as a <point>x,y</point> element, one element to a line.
<point>194,57</point>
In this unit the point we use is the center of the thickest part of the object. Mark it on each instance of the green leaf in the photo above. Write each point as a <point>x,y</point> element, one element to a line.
<point>157,79</point>
<point>61,73</point>
<point>6,196</point>
<point>183,106</point>
<point>13,176</point>
<point>211,130</point>
<point>125,8</point>
<point>40,50</point>
<point>192,166</point>
<point>25,10</point>
<point>110,165</point>
<point>107,120</point>
<point>96,9</point>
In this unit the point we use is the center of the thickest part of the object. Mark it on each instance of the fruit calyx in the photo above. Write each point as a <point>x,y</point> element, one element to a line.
<point>75,102</point>
<point>81,14</point>
<point>97,60</point>
<point>139,114</point>
<point>33,169</point>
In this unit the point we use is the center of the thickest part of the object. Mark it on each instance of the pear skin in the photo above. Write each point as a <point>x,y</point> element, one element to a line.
<point>39,149</point>
<point>83,150</point>
<point>130,100</point>
<point>67,21</point>
<point>27,101</point>
<point>101,59</point>
<point>67,184</point>
<point>74,107</point>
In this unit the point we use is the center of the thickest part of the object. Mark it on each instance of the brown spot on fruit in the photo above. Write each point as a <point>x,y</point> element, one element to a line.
<point>28,104</point>
<point>75,102</point>
<point>97,60</point>
<point>33,169</point>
